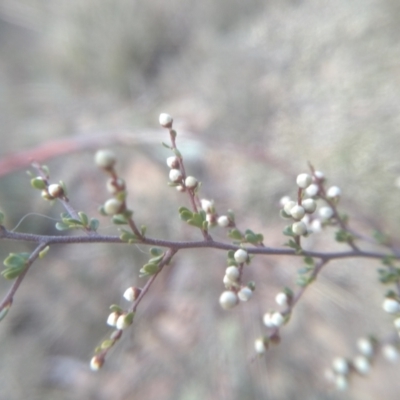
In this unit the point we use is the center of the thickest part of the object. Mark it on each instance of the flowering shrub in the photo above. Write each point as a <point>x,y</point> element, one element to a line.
<point>313,207</point>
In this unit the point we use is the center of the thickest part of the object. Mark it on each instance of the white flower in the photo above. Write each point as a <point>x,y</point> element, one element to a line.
<point>223,221</point>
<point>288,206</point>
<point>340,365</point>
<point>175,175</point>
<point>282,299</point>
<point>112,206</point>
<point>207,205</point>
<point>390,352</point>
<point>325,213</point>
<point>245,293</point>
<point>312,190</point>
<point>333,192</point>
<point>112,319</point>
<point>55,190</point>
<point>365,346</point>
<point>240,256</point>
<point>259,346</point>
<point>297,212</point>
<point>299,228</point>
<point>191,182</point>
<point>173,162</point>
<point>232,273</point>
<point>309,205</point>
<point>362,365</point>
<point>96,363</point>
<point>277,319</point>
<point>228,300</point>
<point>303,180</point>
<point>105,159</point>
<point>165,120</point>
<point>391,306</point>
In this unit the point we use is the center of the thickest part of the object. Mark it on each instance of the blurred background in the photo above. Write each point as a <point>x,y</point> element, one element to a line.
<point>257,88</point>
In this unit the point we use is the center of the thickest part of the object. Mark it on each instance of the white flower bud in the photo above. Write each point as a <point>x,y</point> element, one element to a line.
<point>340,365</point>
<point>96,363</point>
<point>112,319</point>
<point>123,321</point>
<point>165,120</point>
<point>316,225</point>
<point>297,212</point>
<point>191,182</point>
<point>391,353</point>
<point>391,306</point>
<point>173,162</point>
<point>175,175</point>
<point>303,180</point>
<point>288,206</point>
<point>132,293</point>
<point>299,228</point>
<point>245,293</point>
<point>223,221</point>
<point>312,190</point>
<point>207,205</point>
<point>180,188</point>
<point>396,323</point>
<point>361,365</point>
<point>232,273</point>
<point>319,175</point>
<point>267,320</point>
<point>227,282</point>
<point>55,190</point>
<point>284,200</point>
<point>309,205</point>
<point>282,299</point>
<point>112,206</point>
<point>228,300</point>
<point>115,186</point>
<point>325,213</point>
<point>341,383</point>
<point>333,192</point>
<point>277,319</point>
<point>259,346</point>
<point>105,159</point>
<point>241,256</point>
<point>365,347</point>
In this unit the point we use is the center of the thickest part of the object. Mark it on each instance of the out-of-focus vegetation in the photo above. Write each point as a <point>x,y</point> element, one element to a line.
<point>259,88</point>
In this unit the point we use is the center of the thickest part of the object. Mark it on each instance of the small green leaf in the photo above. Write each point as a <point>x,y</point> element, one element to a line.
<point>119,219</point>
<point>185,214</point>
<point>64,188</point>
<point>94,224</point>
<point>13,272</point>
<point>287,231</point>
<point>231,215</point>
<point>116,308</point>
<point>143,230</point>
<point>46,170</point>
<point>156,251</point>
<point>166,145</point>
<point>149,269</point>
<point>156,260</point>
<point>127,236</point>
<point>196,220</point>
<point>84,218</point>
<point>16,260</point>
<point>5,310</point>
<point>343,236</point>
<point>44,252</point>
<point>38,183</point>
<point>309,260</point>
<point>106,344</point>
<point>235,234</point>
<point>60,226</point>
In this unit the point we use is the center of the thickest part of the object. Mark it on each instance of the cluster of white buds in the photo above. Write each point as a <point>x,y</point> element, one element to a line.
<point>302,210</point>
<point>342,368</point>
<point>235,291</point>
<point>274,319</point>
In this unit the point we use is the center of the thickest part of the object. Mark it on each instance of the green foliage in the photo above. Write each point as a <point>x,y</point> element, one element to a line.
<point>15,264</point>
